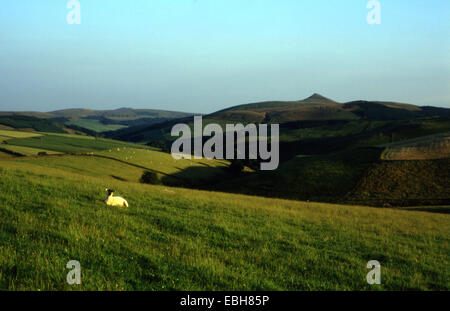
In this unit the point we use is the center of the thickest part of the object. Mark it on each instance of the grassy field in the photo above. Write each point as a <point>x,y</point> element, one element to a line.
<point>27,151</point>
<point>177,239</point>
<point>116,164</point>
<point>5,155</point>
<point>30,122</point>
<point>66,135</point>
<point>52,212</point>
<point>96,125</point>
<point>7,135</point>
<point>193,171</point>
<point>4,138</point>
<point>109,158</point>
<point>18,134</point>
<point>69,143</point>
<point>107,169</point>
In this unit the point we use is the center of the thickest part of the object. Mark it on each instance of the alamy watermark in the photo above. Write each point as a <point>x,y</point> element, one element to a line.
<point>235,135</point>
<point>74,275</point>
<point>374,275</point>
<point>74,15</point>
<point>374,15</point>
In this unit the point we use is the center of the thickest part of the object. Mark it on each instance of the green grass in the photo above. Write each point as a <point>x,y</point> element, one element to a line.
<point>118,114</point>
<point>4,138</point>
<point>96,125</point>
<point>193,171</point>
<point>5,155</point>
<point>177,239</point>
<point>31,122</point>
<point>184,239</point>
<point>18,134</point>
<point>86,165</point>
<point>67,144</point>
<point>116,159</point>
<point>129,164</point>
<point>69,135</point>
<point>26,151</point>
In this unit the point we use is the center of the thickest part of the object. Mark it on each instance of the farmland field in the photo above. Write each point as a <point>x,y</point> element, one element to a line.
<point>18,134</point>
<point>67,144</point>
<point>97,126</point>
<point>176,239</point>
<point>5,155</point>
<point>194,171</point>
<point>186,239</point>
<point>27,150</point>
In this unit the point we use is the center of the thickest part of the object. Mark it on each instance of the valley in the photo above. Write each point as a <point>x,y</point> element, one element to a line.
<point>347,191</point>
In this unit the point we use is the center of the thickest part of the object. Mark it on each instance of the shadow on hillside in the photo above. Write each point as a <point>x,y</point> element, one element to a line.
<point>118,178</point>
<point>437,209</point>
<point>200,177</point>
<point>271,185</point>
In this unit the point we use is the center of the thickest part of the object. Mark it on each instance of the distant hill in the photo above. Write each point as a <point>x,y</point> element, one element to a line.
<point>103,120</point>
<point>315,112</point>
<point>32,123</point>
<point>318,107</point>
<point>121,114</point>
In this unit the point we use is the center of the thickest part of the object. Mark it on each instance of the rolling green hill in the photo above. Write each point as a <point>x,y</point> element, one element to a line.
<point>96,125</point>
<point>117,114</point>
<point>315,113</point>
<point>38,124</point>
<point>318,107</point>
<point>95,120</point>
<point>177,239</point>
<point>322,160</point>
<point>32,123</point>
<point>325,157</point>
<point>67,145</point>
<point>109,158</point>
<point>171,238</point>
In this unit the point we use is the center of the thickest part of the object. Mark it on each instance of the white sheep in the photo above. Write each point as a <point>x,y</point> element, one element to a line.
<point>115,201</point>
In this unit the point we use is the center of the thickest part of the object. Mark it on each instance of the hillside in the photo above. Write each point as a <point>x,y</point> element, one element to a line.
<point>405,183</point>
<point>318,107</point>
<point>102,120</point>
<point>186,239</point>
<point>422,148</point>
<point>109,158</point>
<point>177,239</point>
<point>320,160</point>
<point>326,159</point>
<point>314,112</point>
<point>31,123</point>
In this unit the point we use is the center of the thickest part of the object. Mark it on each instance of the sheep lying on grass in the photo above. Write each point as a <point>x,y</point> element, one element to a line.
<point>115,201</point>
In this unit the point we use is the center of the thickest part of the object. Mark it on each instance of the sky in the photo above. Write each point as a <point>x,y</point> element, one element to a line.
<point>205,55</point>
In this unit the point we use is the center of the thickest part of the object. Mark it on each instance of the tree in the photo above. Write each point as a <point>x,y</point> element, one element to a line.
<point>150,178</point>
<point>236,166</point>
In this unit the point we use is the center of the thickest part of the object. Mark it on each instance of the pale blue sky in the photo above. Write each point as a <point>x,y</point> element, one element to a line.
<point>205,55</point>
